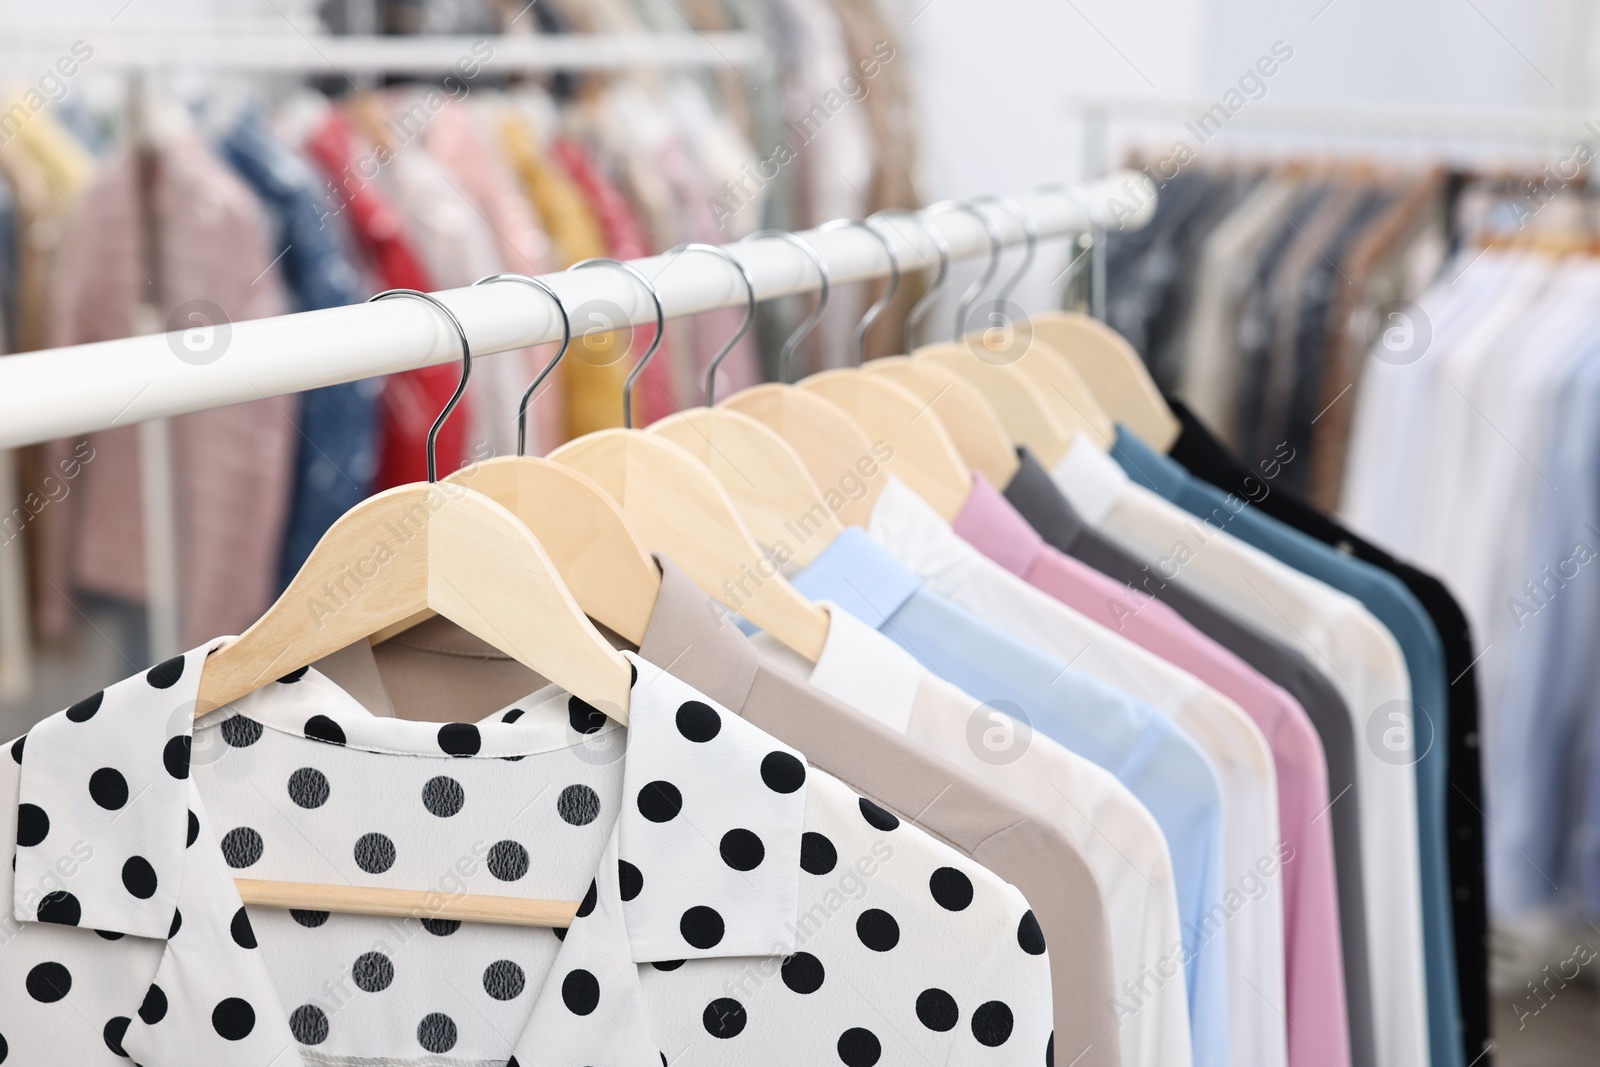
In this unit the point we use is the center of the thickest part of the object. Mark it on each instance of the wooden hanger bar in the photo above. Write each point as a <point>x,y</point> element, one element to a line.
<point>406,903</point>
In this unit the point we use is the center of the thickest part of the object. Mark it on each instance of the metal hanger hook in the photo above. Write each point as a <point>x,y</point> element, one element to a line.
<point>1030,229</point>
<point>1097,247</point>
<point>566,343</point>
<point>970,297</point>
<point>920,310</point>
<point>461,386</point>
<point>894,278</point>
<point>793,341</point>
<point>749,306</point>
<point>655,343</point>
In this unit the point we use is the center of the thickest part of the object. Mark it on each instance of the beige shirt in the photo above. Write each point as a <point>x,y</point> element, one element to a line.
<point>697,642</point>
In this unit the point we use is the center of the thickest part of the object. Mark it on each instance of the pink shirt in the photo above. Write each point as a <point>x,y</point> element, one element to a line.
<point>1312,954</point>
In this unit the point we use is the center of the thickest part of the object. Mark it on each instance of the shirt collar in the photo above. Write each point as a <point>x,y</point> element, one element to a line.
<point>104,793</point>
<point>697,638</point>
<point>1149,468</point>
<point>858,667</point>
<point>1091,480</point>
<point>991,525</point>
<point>860,576</point>
<point>916,534</point>
<point>1042,504</point>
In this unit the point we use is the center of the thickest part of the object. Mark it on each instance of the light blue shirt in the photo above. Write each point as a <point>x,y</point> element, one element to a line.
<point>1387,598</point>
<point>1160,764</point>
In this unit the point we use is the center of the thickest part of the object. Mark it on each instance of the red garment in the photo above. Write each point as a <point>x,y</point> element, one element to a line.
<point>412,400</point>
<point>625,236</point>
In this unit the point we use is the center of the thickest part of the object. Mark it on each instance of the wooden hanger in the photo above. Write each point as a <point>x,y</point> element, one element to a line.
<point>971,421</point>
<point>922,454</point>
<point>842,460</point>
<point>1105,360</point>
<point>764,477</point>
<point>416,548</point>
<point>680,509</point>
<point>608,569</point>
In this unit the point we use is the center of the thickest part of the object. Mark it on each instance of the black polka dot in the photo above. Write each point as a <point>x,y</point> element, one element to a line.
<point>308,788</point>
<point>586,905</point>
<point>244,935</point>
<point>437,1033</point>
<point>441,927</point>
<point>782,772</point>
<point>49,982</point>
<point>313,919</point>
<point>374,853</point>
<point>108,788</point>
<point>154,1008</point>
<point>504,980</point>
<point>1029,936</point>
<point>175,756</point>
<point>698,721</point>
<point>293,676</point>
<point>165,675</point>
<point>859,1047</point>
<point>139,878</point>
<point>877,930</point>
<point>116,1029</point>
<point>802,972</point>
<point>633,675</point>
<point>584,717</point>
<point>322,728</point>
<point>950,888</point>
<point>110,935</point>
<point>241,731</point>
<point>60,907</point>
<point>817,854</point>
<point>701,926</point>
<point>724,1018</point>
<point>177,924</point>
<point>513,715</point>
<point>660,801</point>
<point>233,1019</point>
<point>241,847</point>
<point>443,796</point>
<point>1050,1051</point>
<point>460,739</point>
<point>629,880</point>
<point>194,830</point>
<point>578,805</point>
<point>16,748</point>
<point>309,1024</point>
<point>508,860</point>
<point>876,817</point>
<point>32,824</point>
<point>580,992</point>
<point>937,1010</point>
<point>667,965</point>
<point>991,1024</point>
<point>372,972</point>
<point>84,709</point>
<point>742,850</point>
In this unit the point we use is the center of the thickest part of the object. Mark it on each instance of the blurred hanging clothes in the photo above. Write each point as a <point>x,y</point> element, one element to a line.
<point>413,399</point>
<point>337,456</point>
<point>232,467</point>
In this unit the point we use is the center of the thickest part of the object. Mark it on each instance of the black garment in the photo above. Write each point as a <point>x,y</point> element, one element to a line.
<point>1044,507</point>
<point>1207,458</point>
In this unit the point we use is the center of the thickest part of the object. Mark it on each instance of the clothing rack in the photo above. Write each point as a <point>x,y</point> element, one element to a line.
<point>65,392</point>
<point>326,54</point>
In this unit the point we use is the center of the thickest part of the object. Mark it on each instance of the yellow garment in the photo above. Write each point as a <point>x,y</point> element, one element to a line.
<point>591,385</point>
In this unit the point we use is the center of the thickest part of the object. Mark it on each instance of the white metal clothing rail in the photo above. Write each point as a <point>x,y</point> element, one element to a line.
<point>68,391</point>
<point>315,53</point>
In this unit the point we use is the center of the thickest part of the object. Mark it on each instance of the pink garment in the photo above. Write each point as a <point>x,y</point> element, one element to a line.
<point>233,466</point>
<point>1318,1028</point>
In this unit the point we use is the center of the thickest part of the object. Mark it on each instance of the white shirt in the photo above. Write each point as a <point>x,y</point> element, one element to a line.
<point>904,524</point>
<point>1337,634</point>
<point>1116,834</point>
<point>736,906</point>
